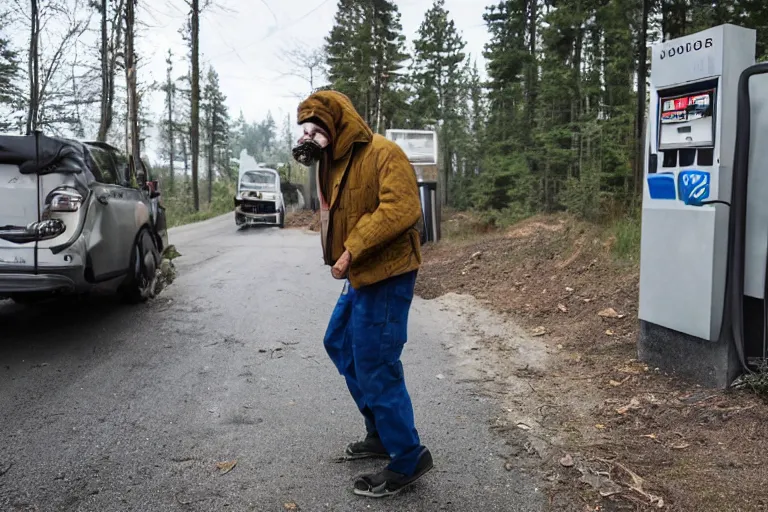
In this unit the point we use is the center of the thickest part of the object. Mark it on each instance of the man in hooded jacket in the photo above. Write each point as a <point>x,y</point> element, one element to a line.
<point>370,211</point>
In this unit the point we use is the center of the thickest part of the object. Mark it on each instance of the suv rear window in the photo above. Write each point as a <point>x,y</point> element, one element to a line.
<point>108,174</point>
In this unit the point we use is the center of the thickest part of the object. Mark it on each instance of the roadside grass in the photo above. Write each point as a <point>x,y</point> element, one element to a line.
<point>624,234</point>
<point>620,234</point>
<point>179,209</point>
<point>463,226</point>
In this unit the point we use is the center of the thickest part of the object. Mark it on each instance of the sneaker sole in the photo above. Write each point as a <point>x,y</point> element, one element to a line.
<point>387,494</point>
<point>366,455</point>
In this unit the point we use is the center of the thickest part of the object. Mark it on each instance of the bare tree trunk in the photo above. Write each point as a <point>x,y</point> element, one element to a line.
<point>533,71</point>
<point>111,40</point>
<point>171,131</point>
<point>34,70</point>
<point>127,117</point>
<point>105,71</point>
<point>195,107</point>
<point>211,147</point>
<point>133,103</point>
<point>79,130</point>
<point>642,73</point>
<point>185,156</point>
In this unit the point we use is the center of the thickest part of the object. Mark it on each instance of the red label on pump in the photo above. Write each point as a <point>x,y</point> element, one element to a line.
<point>681,103</point>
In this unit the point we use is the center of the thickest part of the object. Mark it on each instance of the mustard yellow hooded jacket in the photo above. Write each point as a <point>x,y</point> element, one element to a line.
<point>373,197</point>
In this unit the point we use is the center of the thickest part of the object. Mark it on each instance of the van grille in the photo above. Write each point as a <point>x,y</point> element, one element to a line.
<point>259,207</point>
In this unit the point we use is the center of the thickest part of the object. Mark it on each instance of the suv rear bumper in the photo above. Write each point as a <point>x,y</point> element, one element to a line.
<point>13,282</point>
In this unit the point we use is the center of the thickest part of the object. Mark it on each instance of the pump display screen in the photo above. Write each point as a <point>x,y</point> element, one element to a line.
<point>687,121</point>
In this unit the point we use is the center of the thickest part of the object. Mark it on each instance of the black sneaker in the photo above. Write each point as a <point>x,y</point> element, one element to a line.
<point>388,483</point>
<point>369,448</point>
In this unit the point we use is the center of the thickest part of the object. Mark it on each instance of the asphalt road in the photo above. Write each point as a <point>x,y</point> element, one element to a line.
<point>105,407</point>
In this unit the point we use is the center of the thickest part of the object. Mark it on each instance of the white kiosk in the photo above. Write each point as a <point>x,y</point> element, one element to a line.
<point>704,219</point>
<point>420,146</point>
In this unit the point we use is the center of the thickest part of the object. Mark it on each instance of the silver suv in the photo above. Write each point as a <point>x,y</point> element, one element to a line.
<point>75,217</point>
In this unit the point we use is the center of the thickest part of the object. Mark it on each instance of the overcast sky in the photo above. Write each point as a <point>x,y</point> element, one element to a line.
<point>243,40</point>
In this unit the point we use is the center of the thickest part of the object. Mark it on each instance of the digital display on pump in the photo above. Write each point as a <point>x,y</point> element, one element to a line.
<point>687,108</point>
<point>687,120</point>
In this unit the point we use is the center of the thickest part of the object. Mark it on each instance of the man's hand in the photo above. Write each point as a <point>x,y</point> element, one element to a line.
<point>340,269</point>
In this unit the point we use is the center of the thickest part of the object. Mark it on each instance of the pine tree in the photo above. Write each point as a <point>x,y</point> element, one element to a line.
<point>183,129</point>
<point>216,130</point>
<point>267,134</point>
<point>168,125</point>
<point>365,55</point>
<point>558,125</point>
<point>237,133</point>
<point>437,74</point>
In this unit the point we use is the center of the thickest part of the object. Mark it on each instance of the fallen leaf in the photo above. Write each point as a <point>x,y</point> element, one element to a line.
<point>567,461</point>
<point>226,467</point>
<point>649,436</point>
<point>617,383</point>
<point>539,331</point>
<point>290,506</point>
<point>634,368</point>
<point>600,426</point>
<point>605,486</point>
<point>637,486</point>
<point>568,289</point>
<point>476,255</point>
<point>523,426</point>
<point>680,446</point>
<point>608,313</point>
<point>562,308</point>
<point>609,332</point>
<point>633,404</point>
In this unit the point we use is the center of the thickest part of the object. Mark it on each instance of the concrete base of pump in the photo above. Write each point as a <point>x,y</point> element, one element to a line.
<point>713,364</point>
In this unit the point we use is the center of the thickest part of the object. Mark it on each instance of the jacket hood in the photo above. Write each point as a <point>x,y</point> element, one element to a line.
<point>336,112</point>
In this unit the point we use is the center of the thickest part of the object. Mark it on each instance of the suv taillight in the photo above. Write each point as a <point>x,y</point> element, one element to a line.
<point>63,199</point>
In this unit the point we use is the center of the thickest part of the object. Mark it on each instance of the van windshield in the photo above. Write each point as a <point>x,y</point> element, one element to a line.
<point>259,180</point>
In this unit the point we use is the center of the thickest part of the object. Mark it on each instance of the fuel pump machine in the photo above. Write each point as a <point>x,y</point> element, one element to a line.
<point>420,146</point>
<point>705,208</point>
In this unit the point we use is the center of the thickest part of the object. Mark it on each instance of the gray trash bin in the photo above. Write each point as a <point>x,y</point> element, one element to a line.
<point>430,210</point>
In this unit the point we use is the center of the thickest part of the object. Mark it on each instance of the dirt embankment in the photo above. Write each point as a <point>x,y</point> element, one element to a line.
<point>604,428</point>
<point>303,219</point>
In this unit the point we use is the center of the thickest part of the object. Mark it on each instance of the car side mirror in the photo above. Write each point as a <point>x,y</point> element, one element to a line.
<point>693,187</point>
<point>154,189</point>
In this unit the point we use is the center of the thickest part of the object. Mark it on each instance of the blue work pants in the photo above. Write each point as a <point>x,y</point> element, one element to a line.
<point>364,339</point>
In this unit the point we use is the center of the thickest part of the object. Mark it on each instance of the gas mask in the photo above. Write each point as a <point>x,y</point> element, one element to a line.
<point>311,145</point>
